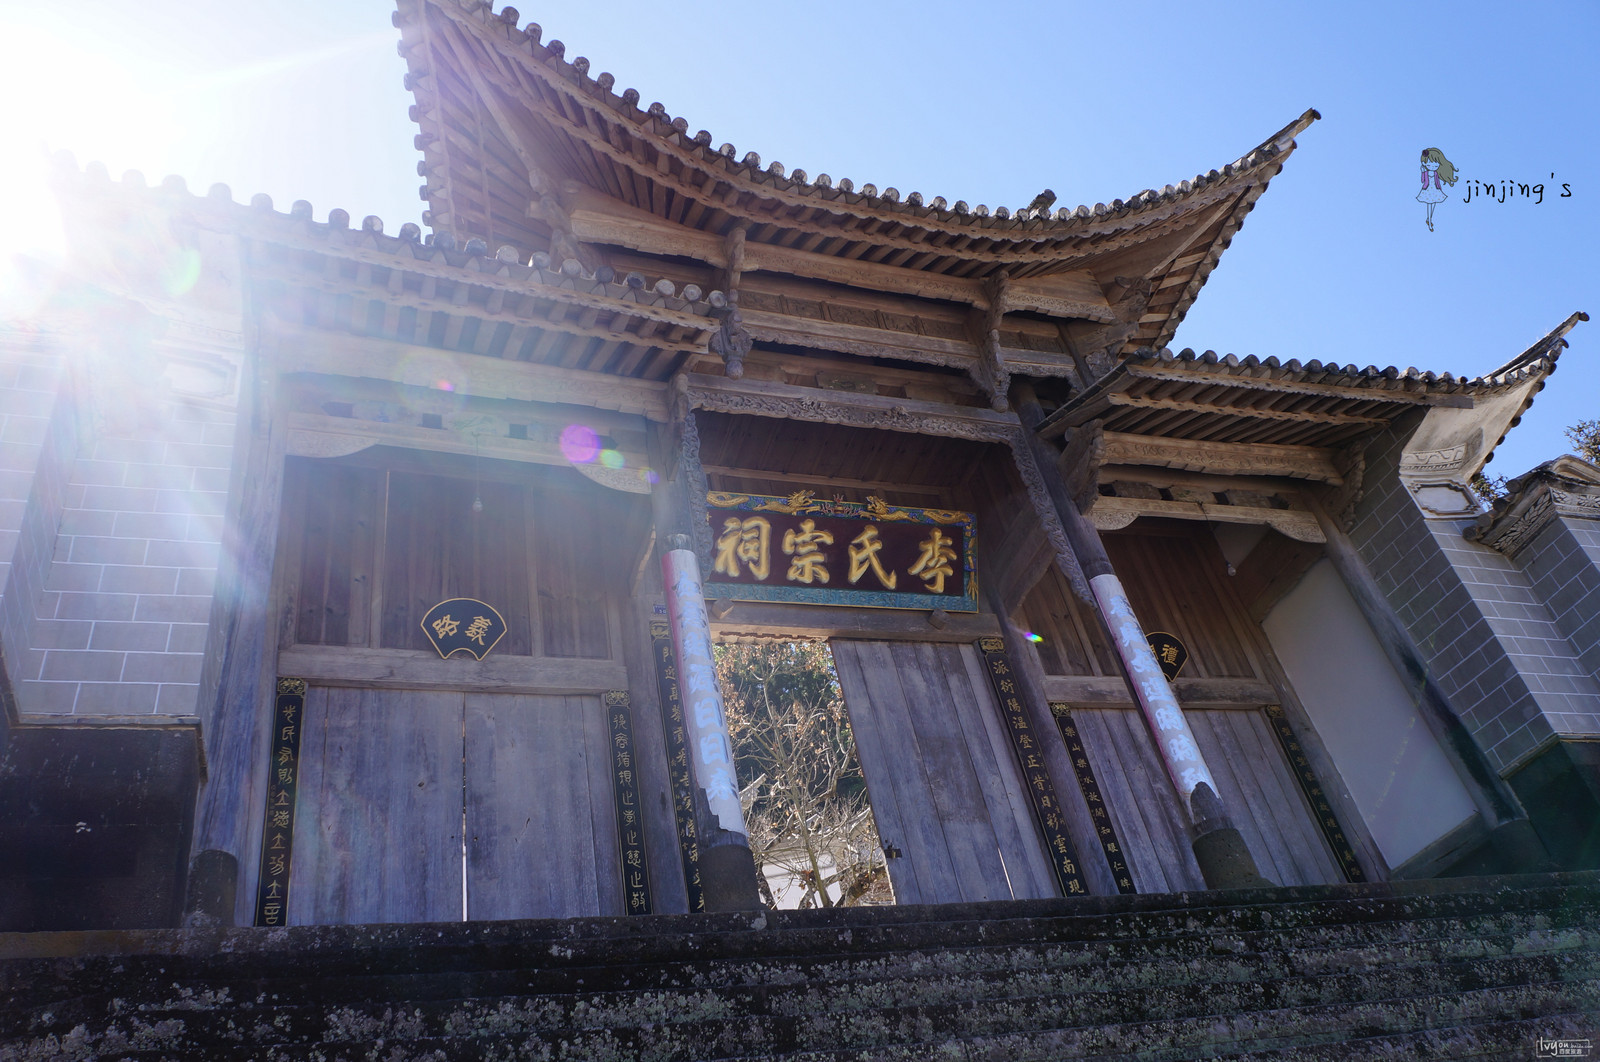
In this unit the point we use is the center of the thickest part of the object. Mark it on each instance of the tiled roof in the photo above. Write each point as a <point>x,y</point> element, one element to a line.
<point>260,219</point>
<point>843,195</point>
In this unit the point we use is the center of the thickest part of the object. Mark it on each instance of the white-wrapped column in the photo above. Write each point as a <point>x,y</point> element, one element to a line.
<point>710,745</point>
<point>1179,753</point>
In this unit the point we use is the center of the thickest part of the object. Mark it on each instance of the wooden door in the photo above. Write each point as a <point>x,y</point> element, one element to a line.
<point>377,833</point>
<point>541,833</point>
<point>944,785</point>
<point>1255,781</point>
<point>389,778</point>
<point>437,796</point>
<point>1178,583</point>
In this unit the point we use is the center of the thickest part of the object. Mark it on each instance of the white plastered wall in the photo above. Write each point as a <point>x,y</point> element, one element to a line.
<point>1398,776</point>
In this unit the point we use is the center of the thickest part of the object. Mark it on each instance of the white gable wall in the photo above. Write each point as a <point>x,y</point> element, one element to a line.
<point>1394,769</point>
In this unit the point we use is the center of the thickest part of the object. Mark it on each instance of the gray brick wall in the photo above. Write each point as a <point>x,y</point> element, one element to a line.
<point>38,441</point>
<point>1494,645</point>
<point>1562,563</point>
<point>121,618</point>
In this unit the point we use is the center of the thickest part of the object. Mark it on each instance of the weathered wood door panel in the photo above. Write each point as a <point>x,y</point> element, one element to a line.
<point>1272,813</point>
<point>1178,583</point>
<point>388,777</point>
<point>944,789</point>
<point>1140,799</point>
<point>378,822</point>
<point>1255,781</point>
<point>541,833</point>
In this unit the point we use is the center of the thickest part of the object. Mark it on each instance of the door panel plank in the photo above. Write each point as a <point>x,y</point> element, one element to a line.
<point>603,812</point>
<point>1145,861</point>
<point>381,808</point>
<point>875,759</point>
<point>1293,816</point>
<point>531,850</point>
<point>952,779</point>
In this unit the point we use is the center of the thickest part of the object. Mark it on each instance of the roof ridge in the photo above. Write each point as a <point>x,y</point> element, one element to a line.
<point>1389,377</point>
<point>1550,344</point>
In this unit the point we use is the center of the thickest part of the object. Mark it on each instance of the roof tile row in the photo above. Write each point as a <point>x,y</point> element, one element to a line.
<point>442,248</point>
<point>663,125</point>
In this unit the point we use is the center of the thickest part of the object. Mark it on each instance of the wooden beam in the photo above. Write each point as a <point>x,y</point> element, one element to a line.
<point>763,620</point>
<point>337,354</point>
<point>1111,513</point>
<point>859,339</point>
<point>311,435</point>
<point>1209,693</point>
<point>764,398</point>
<point>1232,459</point>
<point>1146,402</point>
<point>327,665</point>
<point>598,218</point>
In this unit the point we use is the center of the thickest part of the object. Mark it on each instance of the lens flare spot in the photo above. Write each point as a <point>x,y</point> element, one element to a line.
<point>651,477</point>
<point>611,458</point>
<point>181,272</point>
<point>1032,637</point>
<point>443,385</point>
<point>579,443</point>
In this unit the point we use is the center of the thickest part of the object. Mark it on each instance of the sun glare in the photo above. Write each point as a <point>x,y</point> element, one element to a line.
<point>160,106</point>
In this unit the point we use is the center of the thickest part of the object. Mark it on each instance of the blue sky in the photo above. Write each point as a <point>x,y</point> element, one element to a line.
<point>988,103</point>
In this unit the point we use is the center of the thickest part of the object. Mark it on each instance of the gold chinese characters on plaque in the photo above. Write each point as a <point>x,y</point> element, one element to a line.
<point>808,550</point>
<point>463,624</point>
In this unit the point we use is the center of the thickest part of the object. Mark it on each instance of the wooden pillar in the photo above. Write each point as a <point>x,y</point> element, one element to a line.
<point>1510,832</point>
<point>727,868</point>
<point>228,814</point>
<point>1219,848</point>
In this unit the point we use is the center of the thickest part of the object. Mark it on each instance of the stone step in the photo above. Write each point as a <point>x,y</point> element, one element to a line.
<point>956,1009</point>
<point>568,942</point>
<point>1252,971</point>
<point>892,979</point>
<point>1465,1025</point>
<point>989,969</point>
<point>759,956</point>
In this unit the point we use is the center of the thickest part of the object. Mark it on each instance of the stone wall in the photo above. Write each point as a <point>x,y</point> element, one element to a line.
<point>1494,645</point>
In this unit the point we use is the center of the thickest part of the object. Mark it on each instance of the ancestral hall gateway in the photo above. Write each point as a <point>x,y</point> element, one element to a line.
<point>364,576</point>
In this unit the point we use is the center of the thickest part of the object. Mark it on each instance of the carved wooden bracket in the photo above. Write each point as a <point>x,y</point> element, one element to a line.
<point>731,342</point>
<point>990,372</point>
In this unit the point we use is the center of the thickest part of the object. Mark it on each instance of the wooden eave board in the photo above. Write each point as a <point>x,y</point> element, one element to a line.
<point>757,446</point>
<point>534,325</point>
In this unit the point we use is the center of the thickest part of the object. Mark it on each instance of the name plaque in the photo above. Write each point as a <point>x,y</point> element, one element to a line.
<point>808,550</point>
